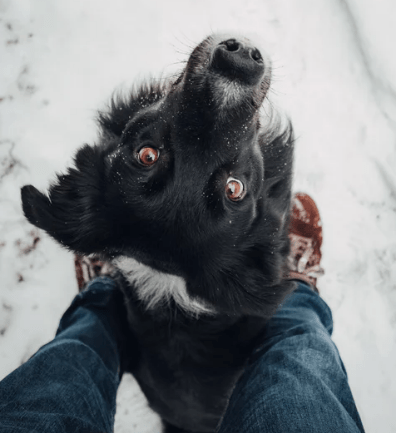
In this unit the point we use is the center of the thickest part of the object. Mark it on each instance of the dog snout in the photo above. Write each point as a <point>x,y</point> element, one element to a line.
<point>238,60</point>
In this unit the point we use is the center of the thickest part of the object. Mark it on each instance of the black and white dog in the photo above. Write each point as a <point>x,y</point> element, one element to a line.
<point>188,194</point>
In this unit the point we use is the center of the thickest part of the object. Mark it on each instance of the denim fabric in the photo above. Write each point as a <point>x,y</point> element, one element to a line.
<point>295,381</point>
<point>70,384</point>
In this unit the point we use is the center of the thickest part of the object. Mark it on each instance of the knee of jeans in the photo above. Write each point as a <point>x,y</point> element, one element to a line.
<point>303,305</point>
<point>100,283</point>
<point>98,291</point>
<point>296,336</point>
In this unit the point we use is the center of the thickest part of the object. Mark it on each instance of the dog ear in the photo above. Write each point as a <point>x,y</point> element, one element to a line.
<point>73,213</point>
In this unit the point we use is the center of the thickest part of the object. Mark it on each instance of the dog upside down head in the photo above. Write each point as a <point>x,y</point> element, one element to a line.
<point>188,194</point>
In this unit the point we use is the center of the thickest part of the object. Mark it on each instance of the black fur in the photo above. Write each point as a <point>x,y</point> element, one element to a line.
<point>174,216</point>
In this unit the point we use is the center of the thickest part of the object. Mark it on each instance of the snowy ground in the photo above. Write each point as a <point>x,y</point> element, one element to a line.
<point>335,74</point>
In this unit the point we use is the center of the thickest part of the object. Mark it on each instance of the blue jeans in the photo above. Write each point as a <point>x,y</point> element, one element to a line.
<point>295,380</point>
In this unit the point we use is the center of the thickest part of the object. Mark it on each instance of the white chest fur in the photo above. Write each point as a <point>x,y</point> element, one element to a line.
<point>156,288</point>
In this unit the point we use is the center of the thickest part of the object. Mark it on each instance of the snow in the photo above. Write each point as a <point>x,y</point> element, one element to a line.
<point>334,72</point>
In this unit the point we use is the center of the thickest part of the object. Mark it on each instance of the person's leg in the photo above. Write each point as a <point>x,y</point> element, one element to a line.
<point>295,381</point>
<point>70,384</point>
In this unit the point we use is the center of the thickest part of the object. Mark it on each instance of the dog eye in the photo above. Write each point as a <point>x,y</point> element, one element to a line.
<point>148,156</point>
<point>234,189</point>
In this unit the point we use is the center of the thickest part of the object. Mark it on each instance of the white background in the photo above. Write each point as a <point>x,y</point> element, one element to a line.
<point>334,74</point>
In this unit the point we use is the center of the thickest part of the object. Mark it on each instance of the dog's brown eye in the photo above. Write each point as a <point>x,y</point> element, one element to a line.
<point>148,156</point>
<point>234,189</point>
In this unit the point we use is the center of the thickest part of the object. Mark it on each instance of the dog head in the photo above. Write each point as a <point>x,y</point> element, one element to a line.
<point>186,180</point>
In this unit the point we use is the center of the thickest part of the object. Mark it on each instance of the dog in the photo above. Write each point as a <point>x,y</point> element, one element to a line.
<point>187,193</point>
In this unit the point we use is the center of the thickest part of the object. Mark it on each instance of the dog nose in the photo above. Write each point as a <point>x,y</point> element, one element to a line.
<point>238,60</point>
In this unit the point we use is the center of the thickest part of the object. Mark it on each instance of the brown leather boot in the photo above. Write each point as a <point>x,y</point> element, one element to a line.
<point>305,235</point>
<point>88,268</point>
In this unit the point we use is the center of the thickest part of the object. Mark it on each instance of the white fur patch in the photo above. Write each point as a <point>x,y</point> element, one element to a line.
<point>228,93</point>
<point>155,288</point>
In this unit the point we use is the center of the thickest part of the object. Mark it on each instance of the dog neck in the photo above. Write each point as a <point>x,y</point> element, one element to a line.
<point>155,288</point>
